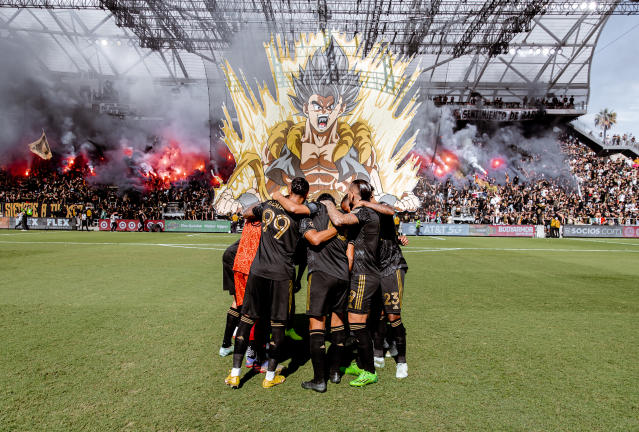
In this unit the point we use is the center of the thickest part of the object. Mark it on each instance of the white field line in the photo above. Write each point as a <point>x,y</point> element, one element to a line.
<point>414,249</point>
<point>183,245</point>
<point>517,250</point>
<point>606,241</point>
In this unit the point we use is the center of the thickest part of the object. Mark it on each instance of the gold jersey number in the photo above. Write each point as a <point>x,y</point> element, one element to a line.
<point>280,222</point>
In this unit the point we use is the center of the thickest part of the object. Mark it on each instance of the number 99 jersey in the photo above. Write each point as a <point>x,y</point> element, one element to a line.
<point>280,234</point>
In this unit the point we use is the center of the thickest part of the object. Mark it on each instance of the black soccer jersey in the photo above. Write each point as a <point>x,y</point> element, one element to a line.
<point>365,237</point>
<point>390,252</point>
<point>280,234</point>
<point>328,257</point>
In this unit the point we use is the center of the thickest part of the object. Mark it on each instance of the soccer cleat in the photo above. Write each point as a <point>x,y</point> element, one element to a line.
<point>312,385</point>
<point>402,370</point>
<point>232,381</point>
<point>224,351</point>
<point>279,379</point>
<point>364,379</point>
<point>353,369</point>
<point>291,333</point>
<point>335,377</point>
<point>379,362</point>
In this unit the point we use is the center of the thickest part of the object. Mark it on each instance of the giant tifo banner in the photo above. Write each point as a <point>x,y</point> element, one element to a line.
<point>621,231</point>
<point>46,223</point>
<point>41,209</point>
<point>339,112</point>
<point>213,226</point>
<point>410,228</point>
<point>129,224</point>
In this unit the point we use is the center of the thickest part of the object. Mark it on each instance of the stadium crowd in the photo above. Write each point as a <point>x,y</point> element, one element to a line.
<point>600,191</point>
<point>191,198</point>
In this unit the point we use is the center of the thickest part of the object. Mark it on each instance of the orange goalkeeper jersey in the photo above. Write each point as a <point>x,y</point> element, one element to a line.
<point>247,248</point>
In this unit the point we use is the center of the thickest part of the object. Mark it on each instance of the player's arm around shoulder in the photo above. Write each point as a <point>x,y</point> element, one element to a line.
<point>292,207</point>
<point>384,209</point>
<point>253,212</point>
<point>338,218</point>
<point>312,235</point>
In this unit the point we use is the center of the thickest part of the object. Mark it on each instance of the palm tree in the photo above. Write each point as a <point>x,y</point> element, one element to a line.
<point>605,119</point>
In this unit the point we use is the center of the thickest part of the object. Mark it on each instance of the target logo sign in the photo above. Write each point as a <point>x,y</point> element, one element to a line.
<point>129,224</point>
<point>151,222</point>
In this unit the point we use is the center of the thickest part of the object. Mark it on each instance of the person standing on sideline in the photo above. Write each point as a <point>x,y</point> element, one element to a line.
<point>114,221</point>
<point>85,221</point>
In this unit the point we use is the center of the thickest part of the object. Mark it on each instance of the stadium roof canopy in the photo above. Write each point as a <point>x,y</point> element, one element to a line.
<point>503,48</point>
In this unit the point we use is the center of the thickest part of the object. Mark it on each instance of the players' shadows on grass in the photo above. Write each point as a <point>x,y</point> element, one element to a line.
<point>297,351</point>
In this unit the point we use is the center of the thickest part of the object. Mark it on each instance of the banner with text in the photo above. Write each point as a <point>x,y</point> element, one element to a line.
<point>410,228</point>
<point>500,115</point>
<point>213,226</point>
<point>44,210</point>
<point>130,224</point>
<point>617,231</point>
<point>46,223</point>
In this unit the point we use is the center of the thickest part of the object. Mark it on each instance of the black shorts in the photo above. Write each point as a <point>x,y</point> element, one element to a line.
<point>266,298</point>
<point>325,294</point>
<point>363,289</point>
<point>392,291</point>
<point>228,258</point>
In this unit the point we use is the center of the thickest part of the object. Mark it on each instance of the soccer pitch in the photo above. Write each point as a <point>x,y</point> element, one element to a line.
<point>120,331</point>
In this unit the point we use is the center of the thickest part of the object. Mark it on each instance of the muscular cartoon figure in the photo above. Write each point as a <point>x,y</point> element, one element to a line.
<point>324,148</point>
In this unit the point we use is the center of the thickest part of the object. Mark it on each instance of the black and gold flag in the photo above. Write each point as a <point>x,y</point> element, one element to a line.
<point>41,147</point>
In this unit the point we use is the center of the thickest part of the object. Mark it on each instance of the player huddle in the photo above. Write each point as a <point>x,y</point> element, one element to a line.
<point>355,284</point>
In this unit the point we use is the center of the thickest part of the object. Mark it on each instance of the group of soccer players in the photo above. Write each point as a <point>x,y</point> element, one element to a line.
<point>355,284</point>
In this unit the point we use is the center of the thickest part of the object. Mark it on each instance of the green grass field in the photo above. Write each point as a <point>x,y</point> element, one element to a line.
<point>120,331</point>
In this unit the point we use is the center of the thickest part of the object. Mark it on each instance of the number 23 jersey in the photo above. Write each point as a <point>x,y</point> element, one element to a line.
<point>280,234</point>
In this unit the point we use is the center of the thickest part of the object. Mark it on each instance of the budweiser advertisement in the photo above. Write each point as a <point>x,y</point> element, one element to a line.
<point>131,225</point>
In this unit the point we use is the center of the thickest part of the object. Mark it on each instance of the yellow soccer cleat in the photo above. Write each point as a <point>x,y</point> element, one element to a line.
<point>279,379</point>
<point>232,381</point>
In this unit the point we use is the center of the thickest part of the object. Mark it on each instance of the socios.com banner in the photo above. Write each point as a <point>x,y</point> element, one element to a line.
<point>410,228</point>
<point>215,226</point>
<point>617,231</point>
<point>46,223</point>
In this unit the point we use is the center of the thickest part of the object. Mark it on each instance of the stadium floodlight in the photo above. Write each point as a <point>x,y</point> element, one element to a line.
<point>118,43</point>
<point>531,51</point>
<point>512,51</point>
<point>584,5</point>
<point>544,51</point>
<point>538,51</point>
<point>104,42</point>
<point>552,51</point>
<point>592,6</point>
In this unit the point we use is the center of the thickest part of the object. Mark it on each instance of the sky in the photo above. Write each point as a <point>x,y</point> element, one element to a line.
<point>614,76</point>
